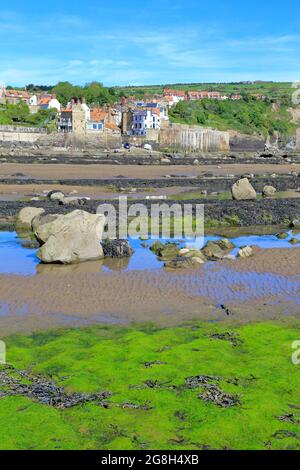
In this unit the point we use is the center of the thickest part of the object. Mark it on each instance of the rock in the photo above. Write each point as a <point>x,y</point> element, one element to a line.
<point>245,252</point>
<point>74,237</point>
<point>204,192</point>
<point>169,251</point>
<point>294,241</point>
<point>213,251</point>
<point>197,260</point>
<point>196,162</point>
<point>295,223</point>
<point>242,190</point>
<point>157,247</point>
<point>165,160</point>
<point>25,217</point>
<point>42,226</point>
<point>55,195</point>
<point>179,262</point>
<point>184,251</point>
<point>268,191</point>
<point>117,248</point>
<point>282,235</point>
<point>194,254</point>
<point>73,201</point>
<point>225,244</point>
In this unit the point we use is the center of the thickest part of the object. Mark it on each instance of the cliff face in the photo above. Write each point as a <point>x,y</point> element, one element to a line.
<point>246,143</point>
<point>194,138</point>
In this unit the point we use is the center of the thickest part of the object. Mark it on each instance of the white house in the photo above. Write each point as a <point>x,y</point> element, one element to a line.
<point>49,102</point>
<point>33,100</point>
<point>145,119</point>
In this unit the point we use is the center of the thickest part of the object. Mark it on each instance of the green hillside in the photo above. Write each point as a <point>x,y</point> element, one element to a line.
<point>249,115</point>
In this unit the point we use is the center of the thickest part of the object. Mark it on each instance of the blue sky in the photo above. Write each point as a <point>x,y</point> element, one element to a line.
<point>146,42</point>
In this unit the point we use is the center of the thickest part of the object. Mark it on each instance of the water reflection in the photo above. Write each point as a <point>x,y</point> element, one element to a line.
<point>17,259</point>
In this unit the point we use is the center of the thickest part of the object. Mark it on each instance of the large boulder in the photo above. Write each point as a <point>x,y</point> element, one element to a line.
<point>25,217</point>
<point>117,249</point>
<point>72,238</point>
<point>242,190</point>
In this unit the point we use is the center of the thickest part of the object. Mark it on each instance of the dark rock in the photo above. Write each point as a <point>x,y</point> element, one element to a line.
<point>117,249</point>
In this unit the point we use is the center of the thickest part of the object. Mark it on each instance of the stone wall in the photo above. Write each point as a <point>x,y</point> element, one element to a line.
<point>193,138</point>
<point>89,140</point>
<point>298,139</point>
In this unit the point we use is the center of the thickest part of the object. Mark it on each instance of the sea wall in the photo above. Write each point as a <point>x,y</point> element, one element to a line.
<point>20,134</point>
<point>193,138</point>
<point>32,136</point>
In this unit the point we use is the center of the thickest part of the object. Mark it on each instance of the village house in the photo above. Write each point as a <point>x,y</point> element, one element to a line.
<point>78,117</point>
<point>236,97</point>
<point>16,96</point>
<point>200,95</point>
<point>96,120</point>
<point>145,119</point>
<point>48,102</point>
<point>174,96</point>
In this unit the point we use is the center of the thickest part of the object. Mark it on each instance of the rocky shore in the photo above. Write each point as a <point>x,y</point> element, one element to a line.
<point>227,212</point>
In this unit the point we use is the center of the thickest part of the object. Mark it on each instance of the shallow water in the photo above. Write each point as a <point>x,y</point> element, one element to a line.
<point>16,259</point>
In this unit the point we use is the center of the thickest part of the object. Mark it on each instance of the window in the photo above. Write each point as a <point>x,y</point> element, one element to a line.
<point>95,126</point>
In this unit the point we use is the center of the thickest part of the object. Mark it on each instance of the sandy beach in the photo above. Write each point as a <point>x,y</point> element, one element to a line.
<point>94,171</point>
<point>265,286</point>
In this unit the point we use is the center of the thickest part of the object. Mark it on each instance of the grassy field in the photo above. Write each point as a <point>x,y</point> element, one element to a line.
<point>152,406</point>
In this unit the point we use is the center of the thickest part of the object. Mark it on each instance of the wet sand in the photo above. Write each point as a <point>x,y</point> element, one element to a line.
<point>15,192</point>
<point>93,171</point>
<point>265,286</point>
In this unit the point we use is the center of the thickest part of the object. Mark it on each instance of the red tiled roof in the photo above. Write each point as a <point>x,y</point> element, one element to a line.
<point>17,94</point>
<point>45,100</point>
<point>168,92</point>
<point>97,115</point>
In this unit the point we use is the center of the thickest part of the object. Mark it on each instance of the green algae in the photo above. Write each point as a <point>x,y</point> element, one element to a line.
<point>146,366</point>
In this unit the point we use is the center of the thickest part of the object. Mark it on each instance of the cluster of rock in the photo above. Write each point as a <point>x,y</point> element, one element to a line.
<point>243,190</point>
<point>285,235</point>
<point>66,200</point>
<point>175,257</point>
